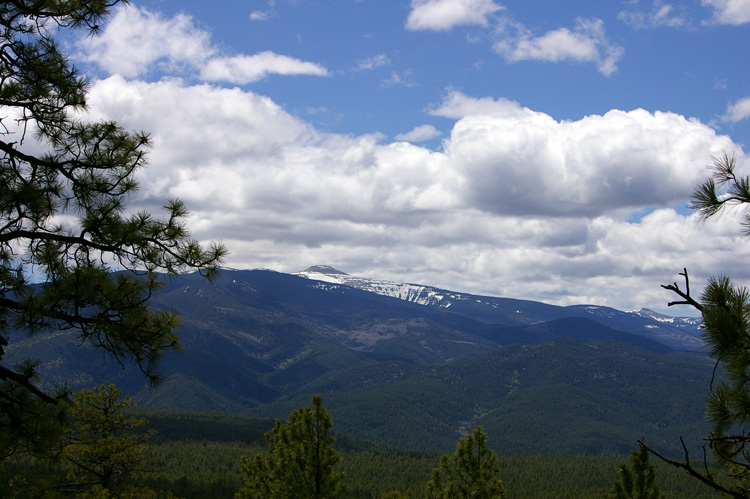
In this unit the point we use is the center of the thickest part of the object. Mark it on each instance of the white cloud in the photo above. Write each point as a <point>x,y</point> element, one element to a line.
<point>737,111</point>
<point>517,204</point>
<point>249,68</point>
<point>259,15</point>
<point>530,164</point>
<point>734,12</point>
<point>458,105</point>
<point>399,78</point>
<point>420,133</point>
<point>661,15</point>
<point>136,41</point>
<point>233,124</point>
<point>587,42</point>
<point>373,62</point>
<point>440,15</point>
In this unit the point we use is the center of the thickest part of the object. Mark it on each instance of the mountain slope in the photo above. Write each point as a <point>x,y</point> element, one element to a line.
<point>559,396</point>
<point>676,333</point>
<point>577,328</point>
<point>401,372</point>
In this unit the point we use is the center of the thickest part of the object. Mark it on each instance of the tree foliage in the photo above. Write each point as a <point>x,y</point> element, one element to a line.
<point>102,452</point>
<point>725,308</point>
<point>723,189</point>
<point>638,480</point>
<point>470,472</point>
<point>194,462</point>
<point>64,227</point>
<point>300,461</point>
<point>103,447</point>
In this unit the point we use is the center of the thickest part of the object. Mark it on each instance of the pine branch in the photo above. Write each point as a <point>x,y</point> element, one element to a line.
<point>25,381</point>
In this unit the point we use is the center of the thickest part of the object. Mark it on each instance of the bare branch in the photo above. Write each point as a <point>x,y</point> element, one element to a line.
<point>687,299</point>
<point>707,478</point>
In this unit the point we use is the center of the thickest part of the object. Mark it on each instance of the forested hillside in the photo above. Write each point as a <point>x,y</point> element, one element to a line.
<point>405,374</point>
<point>196,455</point>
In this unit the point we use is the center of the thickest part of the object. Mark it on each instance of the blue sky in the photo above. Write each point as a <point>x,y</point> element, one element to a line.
<point>539,150</point>
<point>385,71</point>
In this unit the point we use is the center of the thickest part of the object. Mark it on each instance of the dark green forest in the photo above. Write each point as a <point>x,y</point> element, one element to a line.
<point>197,455</point>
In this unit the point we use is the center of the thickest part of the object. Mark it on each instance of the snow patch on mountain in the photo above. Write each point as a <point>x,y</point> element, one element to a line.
<point>416,293</point>
<point>675,332</point>
<point>680,322</point>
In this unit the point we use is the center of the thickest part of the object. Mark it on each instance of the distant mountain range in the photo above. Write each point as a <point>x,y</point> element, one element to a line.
<point>680,333</point>
<point>414,366</point>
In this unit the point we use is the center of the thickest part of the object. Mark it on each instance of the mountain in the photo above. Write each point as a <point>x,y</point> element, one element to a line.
<point>558,396</point>
<point>681,333</point>
<point>413,373</point>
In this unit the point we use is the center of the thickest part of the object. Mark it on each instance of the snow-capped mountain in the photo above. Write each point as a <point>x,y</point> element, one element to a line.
<point>423,295</point>
<point>676,332</point>
<point>681,322</point>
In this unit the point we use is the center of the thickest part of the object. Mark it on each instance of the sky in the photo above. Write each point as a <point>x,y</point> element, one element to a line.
<point>540,150</point>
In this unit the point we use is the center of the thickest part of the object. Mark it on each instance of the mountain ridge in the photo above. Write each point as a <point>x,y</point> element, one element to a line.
<point>681,333</point>
<point>261,342</point>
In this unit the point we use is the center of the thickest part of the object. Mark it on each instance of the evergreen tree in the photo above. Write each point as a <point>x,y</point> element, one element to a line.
<point>103,447</point>
<point>636,481</point>
<point>470,472</point>
<point>102,450</point>
<point>63,221</point>
<point>300,461</point>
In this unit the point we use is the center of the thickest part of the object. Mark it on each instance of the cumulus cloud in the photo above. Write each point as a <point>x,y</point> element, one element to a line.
<point>516,204</point>
<point>419,134</point>
<point>737,111</point>
<point>249,68</point>
<point>136,41</point>
<point>234,125</point>
<point>734,12</point>
<point>660,15</point>
<point>442,15</point>
<point>586,42</point>
<point>458,105</point>
<point>527,163</point>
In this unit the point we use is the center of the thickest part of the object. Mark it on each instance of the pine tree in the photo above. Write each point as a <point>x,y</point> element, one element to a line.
<point>470,472</point>
<point>638,480</point>
<point>300,462</point>
<point>64,227</point>
<point>103,446</point>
